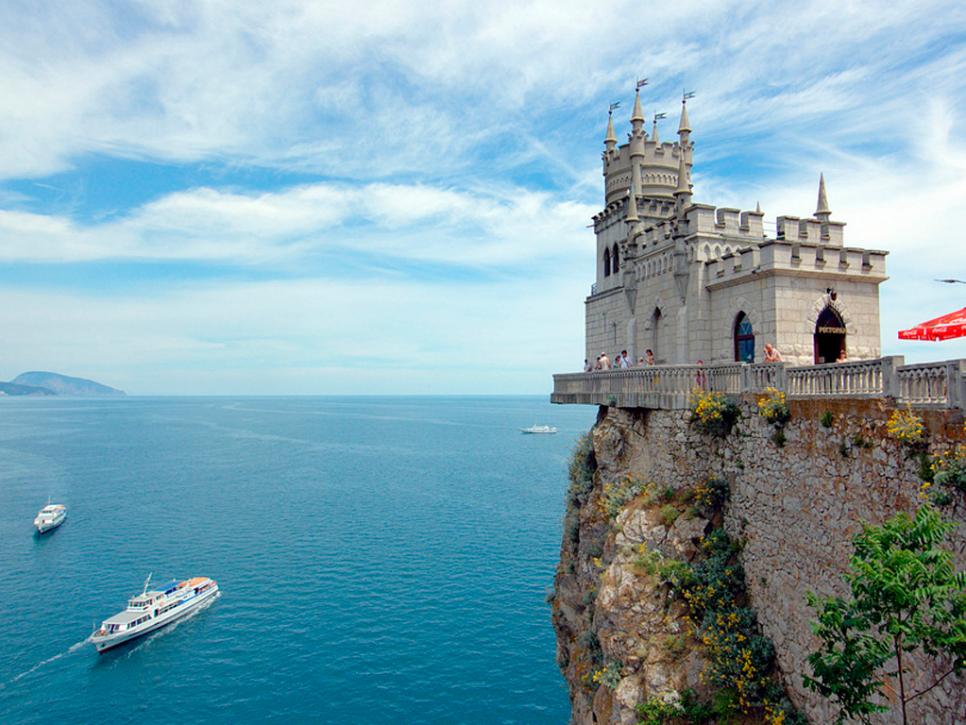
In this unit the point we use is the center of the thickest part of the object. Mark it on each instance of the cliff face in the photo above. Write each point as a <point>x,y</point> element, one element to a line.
<point>794,508</point>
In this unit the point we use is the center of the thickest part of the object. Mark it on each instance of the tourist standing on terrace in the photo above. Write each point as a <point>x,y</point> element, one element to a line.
<point>772,354</point>
<point>649,357</point>
<point>604,361</point>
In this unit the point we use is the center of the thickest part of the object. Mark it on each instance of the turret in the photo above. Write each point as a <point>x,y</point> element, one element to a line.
<point>632,216</point>
<point>637,115</point>
<point>610,140</point>
<point>637,138</point>
<point>682,194</point>
<point>822,212</point>
<point>684,127</point>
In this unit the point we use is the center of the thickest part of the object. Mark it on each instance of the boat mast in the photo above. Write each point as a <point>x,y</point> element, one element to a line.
<point>146,582</point>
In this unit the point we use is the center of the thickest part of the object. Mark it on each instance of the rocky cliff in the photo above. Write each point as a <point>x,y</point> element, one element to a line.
<point>686,559</point>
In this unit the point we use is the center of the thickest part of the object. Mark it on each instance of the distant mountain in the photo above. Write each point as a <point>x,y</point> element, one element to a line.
<point>59,384</point>
<point>12,389</point>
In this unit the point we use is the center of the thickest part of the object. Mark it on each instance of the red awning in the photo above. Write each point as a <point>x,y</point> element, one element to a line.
<point>942,328</point>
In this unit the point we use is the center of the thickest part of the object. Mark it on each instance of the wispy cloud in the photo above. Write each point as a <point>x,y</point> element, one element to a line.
<point>414,143</point>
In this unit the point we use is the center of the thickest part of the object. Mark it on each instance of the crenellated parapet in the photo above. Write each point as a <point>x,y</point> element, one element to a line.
<point>658,169</point>
<point>791,259</point>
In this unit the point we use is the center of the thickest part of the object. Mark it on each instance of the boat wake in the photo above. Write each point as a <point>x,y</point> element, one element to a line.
<point>70,650</point>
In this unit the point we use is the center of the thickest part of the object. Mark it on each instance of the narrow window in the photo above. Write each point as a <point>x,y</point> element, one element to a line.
<point>744,339</point>
<point>615,259</point>
<point>607,262</point>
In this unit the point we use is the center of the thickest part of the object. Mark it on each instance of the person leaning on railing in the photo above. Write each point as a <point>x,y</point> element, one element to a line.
<point>772,354</point>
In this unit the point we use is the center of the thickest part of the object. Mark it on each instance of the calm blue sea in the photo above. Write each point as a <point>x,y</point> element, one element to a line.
<point>380,559</point>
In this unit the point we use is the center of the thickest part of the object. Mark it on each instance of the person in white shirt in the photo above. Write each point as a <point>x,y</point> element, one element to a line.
<point>587,366</point>
<point>622,360</point>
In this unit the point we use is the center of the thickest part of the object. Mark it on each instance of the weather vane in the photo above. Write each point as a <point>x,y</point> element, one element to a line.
<point>659,116</point>
<point>614,106</point>
<point>686,95</point>
<point>641,83</point>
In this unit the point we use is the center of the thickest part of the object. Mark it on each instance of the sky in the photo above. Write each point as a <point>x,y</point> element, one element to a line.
<point>393,197</point>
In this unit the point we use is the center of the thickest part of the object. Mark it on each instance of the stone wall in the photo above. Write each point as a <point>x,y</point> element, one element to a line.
<point>796,507</point>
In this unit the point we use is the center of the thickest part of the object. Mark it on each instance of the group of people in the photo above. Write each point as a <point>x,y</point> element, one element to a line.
<point>622,361</point>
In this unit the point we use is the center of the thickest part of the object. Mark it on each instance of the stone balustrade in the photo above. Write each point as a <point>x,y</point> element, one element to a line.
<point>669,387</point>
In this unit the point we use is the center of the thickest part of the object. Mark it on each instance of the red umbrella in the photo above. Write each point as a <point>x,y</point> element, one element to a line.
<point>942,328</point>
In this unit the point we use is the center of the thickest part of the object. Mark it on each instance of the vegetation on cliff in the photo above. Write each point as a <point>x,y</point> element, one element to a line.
<point>906,596</point>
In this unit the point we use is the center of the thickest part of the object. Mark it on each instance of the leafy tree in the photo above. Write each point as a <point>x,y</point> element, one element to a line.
<point>906,597</point>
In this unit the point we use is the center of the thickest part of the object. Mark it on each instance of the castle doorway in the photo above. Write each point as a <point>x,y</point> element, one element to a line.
<point>829,336</point>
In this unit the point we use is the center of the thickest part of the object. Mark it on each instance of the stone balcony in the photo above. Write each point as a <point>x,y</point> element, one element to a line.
<point>669,387</point>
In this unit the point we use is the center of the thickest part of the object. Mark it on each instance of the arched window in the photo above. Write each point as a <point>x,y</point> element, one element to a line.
<point>744,339</point>
<point>606,262</point>
<point>615,258</point>
<point>829,336</point>
<point>656,335</point>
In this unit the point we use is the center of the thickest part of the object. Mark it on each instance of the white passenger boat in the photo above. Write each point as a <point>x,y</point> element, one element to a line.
<point>539,430</point>
<point>152,609</point>
<point>50,517</point>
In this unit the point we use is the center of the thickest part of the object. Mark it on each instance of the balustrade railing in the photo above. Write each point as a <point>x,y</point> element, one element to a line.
<point>941,384</point>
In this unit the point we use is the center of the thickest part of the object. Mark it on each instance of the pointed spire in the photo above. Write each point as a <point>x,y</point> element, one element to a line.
<point>685,125</point>
<point>610,140</point>
<point>654,136</point>
<point>637,116</point>
<point>683,186</point>
<point>631,207</point>
<point>638,113</point>
<point>757,207</point>
<point>822,212</point>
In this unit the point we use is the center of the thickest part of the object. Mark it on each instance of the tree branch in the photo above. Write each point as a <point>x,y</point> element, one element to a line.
<point>913,697</point>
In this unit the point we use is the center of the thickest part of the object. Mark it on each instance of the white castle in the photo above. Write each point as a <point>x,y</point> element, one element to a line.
<point>693,282</point>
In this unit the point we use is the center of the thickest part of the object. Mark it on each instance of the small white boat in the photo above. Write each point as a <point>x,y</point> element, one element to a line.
<point>50,517</point>
<point>539,430</point>
<point>151,610</point>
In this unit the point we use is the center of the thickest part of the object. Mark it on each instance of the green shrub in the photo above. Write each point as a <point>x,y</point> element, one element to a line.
<point>711,495</point>
<point>949,468</point>
<point>773,408</point>
<point>668,514</point>
<point>619,493</point>
<point>713,413</point>
<point>826,419</point>
<point>583,465</point>
<point>609,676</point>
<point>778,438</point>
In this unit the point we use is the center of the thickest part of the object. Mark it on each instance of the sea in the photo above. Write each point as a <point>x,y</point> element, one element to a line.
<point>380,559</point>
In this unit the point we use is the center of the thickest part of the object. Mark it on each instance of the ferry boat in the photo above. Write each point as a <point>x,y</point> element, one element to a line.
<point>50,517</point>
<point>152,609</point>
<point>539,430</point>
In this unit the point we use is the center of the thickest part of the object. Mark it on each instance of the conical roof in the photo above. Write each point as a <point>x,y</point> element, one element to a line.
<point>685,125</point>
<point>683,186</point>
<point>610,138</point>
<point>822,206</point>
<point>638,113</point>
<point>631,207</point>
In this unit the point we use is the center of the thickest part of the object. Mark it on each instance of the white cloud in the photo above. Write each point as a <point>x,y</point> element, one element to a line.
<point>414,222</point>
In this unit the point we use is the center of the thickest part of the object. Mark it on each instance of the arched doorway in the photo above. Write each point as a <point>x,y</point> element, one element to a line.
<point>744,339</point>
<point>829,336</point>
